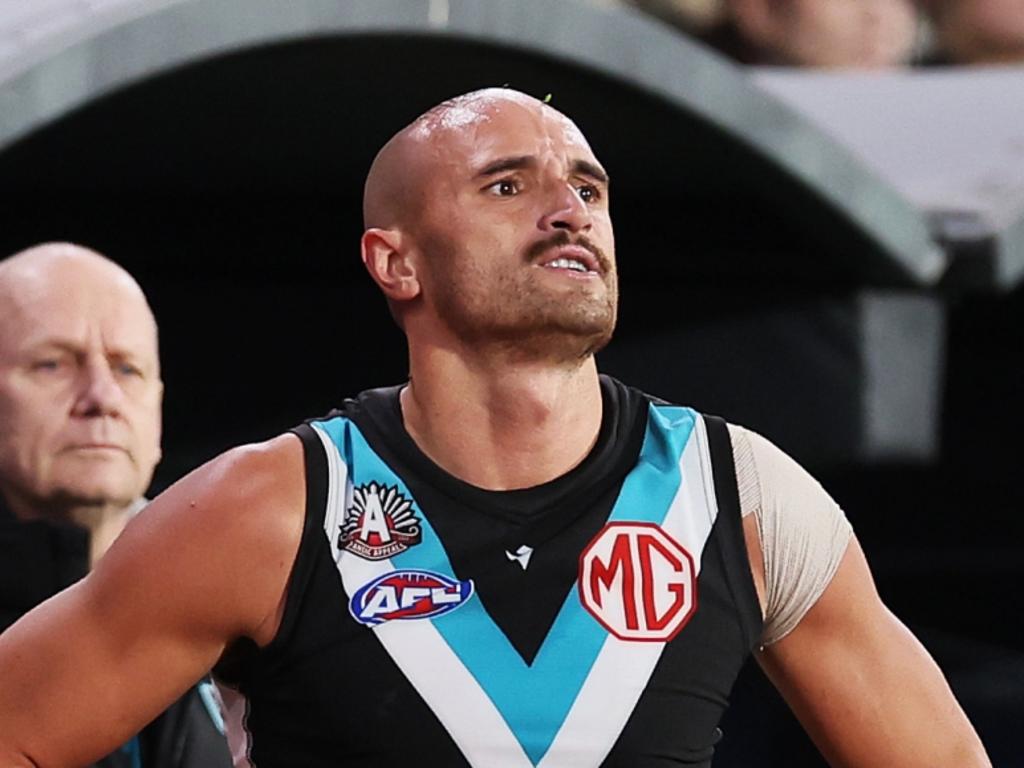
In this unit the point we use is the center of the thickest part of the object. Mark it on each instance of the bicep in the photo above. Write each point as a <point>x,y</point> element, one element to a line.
<point>862,685</point>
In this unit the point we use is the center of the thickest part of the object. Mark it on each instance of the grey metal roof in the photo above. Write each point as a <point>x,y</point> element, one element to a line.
<point>57,55</point>
<point>33,30</point>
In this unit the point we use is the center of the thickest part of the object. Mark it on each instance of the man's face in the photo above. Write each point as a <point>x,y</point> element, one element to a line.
<point>515,230</point>
<point>845,33</point>
<point>80,391</point>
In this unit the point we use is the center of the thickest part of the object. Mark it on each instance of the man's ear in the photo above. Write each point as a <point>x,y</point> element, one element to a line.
<point>390,264</point>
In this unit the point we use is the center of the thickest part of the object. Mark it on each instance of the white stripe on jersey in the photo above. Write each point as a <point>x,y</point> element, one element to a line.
<point>337,484</point>
<point>608,697</point>
<point>615,683</point>
<point>418,649</point>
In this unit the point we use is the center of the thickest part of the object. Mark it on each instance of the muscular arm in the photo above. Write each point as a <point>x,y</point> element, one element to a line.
<point>206,563</point>
<point>864,688</point>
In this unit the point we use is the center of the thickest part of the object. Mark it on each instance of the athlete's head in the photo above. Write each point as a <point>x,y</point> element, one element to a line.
<point>487,221</point>
<point>80,389</point>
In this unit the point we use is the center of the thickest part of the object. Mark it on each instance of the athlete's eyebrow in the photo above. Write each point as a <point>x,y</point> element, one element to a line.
<point>503,164</point>
<point>521,162</point>
<point>587,168</point>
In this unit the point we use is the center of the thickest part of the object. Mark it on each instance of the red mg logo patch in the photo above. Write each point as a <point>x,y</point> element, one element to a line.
<point>638,582</point>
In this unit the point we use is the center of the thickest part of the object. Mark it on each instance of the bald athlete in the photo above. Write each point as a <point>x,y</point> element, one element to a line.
<point>508,561</point>
<point>80,400</point>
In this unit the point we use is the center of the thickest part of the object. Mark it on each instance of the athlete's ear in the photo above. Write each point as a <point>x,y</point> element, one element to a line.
<point>388,260</point>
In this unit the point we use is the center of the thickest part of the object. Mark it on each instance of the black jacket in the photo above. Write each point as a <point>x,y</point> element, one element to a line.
<point>38,559</point>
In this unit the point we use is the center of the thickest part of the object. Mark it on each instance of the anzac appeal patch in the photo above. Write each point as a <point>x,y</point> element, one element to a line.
<point>380,524</point>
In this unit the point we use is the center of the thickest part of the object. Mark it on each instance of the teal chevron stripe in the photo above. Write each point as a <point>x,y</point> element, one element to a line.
<point>533,699</point>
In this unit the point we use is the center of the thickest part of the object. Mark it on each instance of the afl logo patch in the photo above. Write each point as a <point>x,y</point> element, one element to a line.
<point>638,582</point>
<point>379,524</point>
<point>406,595</point>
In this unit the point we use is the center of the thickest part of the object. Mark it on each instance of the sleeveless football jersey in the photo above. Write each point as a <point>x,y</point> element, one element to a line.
<point>599,619</point>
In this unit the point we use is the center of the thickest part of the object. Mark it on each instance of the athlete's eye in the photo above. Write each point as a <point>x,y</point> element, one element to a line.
<point>504,188</point>
<point>588,193</point>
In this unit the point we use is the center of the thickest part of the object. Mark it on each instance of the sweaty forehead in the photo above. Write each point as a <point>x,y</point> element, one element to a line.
<point>474,130</point>
<point>457,139</point>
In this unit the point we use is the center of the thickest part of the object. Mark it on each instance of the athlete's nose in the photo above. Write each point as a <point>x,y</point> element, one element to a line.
<point>565,210</point>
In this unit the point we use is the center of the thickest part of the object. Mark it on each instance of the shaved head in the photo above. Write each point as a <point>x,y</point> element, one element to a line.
<point>400,173</point>
<point>487,223</point>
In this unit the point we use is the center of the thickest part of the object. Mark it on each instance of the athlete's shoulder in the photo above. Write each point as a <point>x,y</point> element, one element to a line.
<point>241,513</point>
<point>250,470</point>
<point>253,493</point>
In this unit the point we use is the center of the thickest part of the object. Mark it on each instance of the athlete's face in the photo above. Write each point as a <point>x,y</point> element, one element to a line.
<point>80,390</point>
<point>516,229</point>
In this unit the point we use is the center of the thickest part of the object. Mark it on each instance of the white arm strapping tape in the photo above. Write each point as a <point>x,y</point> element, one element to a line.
<point>803,532</point>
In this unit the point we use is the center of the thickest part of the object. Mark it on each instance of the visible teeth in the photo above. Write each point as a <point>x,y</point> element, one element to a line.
<point>568,264</point>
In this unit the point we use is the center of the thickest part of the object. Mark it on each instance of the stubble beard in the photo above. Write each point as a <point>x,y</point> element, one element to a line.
<point>517,315</point>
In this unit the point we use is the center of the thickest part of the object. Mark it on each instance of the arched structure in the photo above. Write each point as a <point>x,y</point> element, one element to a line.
<point>61,55</point>
<point>218,147</point>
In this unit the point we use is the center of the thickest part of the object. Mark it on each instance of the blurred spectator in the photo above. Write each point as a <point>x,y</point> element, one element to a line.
<point>80,400</point>
<point>693,16</point>
<point>977,31</point>
<point>862,34</point>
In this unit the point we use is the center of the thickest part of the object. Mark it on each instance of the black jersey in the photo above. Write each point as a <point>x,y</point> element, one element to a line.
<point>598,619</point>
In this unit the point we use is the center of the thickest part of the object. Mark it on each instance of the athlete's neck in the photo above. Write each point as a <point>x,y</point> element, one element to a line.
<point>505,426</point>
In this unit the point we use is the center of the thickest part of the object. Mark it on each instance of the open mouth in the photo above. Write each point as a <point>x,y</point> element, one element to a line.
<point>563,263</point>
<point>574,259</point>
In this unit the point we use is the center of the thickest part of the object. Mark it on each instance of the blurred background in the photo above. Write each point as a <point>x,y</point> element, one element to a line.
<point>819,208</point>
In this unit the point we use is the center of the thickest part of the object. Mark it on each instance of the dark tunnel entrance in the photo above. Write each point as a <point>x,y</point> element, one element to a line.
<point>231,187</point>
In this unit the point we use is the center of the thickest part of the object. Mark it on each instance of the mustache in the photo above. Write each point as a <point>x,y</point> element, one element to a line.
<point>562,238</point>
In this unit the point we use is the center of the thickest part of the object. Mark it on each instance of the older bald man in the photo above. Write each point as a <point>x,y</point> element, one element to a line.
<point>508,561</point>
<point>80,399</point>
